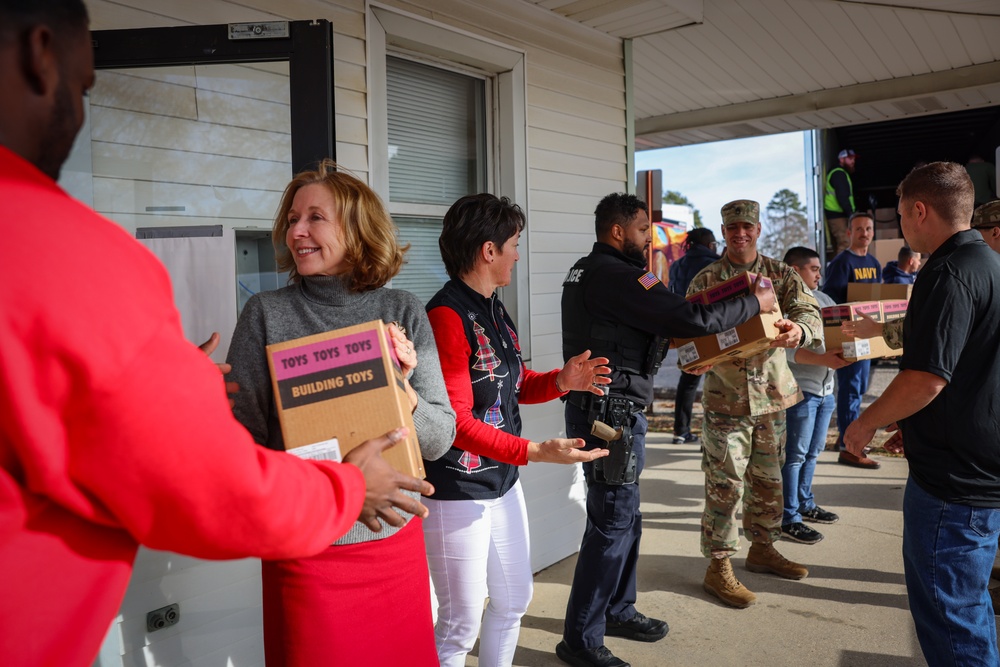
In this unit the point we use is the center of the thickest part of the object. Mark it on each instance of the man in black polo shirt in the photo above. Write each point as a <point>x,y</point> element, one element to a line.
<point>946,400</point>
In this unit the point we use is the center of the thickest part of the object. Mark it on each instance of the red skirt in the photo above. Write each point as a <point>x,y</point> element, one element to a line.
<point>356,604</point>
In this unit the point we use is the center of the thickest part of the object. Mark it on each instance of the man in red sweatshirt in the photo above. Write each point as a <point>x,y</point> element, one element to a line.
<point>114,430</point>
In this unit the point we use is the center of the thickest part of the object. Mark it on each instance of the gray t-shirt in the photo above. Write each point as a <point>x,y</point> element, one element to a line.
<point>815,380</point>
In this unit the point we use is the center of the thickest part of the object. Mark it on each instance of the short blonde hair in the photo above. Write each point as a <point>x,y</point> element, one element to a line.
<point>371,246</point>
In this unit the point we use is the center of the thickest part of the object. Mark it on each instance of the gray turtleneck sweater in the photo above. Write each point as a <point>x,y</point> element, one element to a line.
<point>322,303</point>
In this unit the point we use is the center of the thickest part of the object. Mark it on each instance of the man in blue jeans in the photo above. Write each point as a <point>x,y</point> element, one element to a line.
<point>808,420</point>
<point>946,401</point>
<point>853,265</point>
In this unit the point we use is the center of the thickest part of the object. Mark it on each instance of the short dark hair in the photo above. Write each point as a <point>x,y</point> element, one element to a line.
<point>859,214</point>
<point>699,236</point>
<point>17,15</point>
<point>472,221</point>
<point>616,209</point>
<point>943,186</point>
<point>905,253</point>
<point>799,255</point>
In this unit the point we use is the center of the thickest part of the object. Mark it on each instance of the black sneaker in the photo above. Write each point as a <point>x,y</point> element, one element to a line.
<point>588,657</point>
<point>800,532</point>
<point>639,628</point>
<point>820,515</point>
<point>685,439</point>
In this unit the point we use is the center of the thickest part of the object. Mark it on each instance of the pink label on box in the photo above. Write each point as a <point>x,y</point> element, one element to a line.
<point>894,306</point>
<point>324,355</point>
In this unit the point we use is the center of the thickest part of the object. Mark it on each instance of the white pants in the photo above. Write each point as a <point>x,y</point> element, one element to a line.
<point>478,549</point>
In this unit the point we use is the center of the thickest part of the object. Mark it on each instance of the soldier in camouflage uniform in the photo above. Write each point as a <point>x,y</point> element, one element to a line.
<point>986,220</point>
<point>744,432</point>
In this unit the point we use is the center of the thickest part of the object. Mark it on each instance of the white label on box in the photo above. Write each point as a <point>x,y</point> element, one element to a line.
<point>727,338</point>
<point>857,348</point>
<point>687,354</point>
<point>328,450</point>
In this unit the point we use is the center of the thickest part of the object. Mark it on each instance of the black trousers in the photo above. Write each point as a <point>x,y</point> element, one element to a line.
<point>687,388</point>
<point>604,585</point>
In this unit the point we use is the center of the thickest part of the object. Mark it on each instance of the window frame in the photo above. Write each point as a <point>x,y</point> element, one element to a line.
<point>390,31</point>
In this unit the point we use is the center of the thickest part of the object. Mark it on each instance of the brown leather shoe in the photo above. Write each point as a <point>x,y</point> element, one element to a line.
<point>764,558</point>
<point>721,581</point>
<point>848,459</point>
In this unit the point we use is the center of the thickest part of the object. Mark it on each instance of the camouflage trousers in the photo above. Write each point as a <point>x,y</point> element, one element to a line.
<point>742,459</point>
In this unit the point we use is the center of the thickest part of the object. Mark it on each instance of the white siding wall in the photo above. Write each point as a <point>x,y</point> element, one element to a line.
<point>576,153</point>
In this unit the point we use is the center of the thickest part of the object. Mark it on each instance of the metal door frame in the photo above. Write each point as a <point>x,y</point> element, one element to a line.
<point>308,49</point>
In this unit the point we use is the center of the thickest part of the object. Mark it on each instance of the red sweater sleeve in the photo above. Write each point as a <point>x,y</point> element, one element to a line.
<point>539,387</point>
<point>472,435</point>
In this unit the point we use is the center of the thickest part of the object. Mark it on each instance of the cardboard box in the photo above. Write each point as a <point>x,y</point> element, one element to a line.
<point>893,310</point>
<point>734,288</point>
<point>752,337</point>
<point>878,292</point>
<point>854,349</point>
<point>337,389</point>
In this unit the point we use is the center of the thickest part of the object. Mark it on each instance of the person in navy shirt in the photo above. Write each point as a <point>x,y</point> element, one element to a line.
<point>853,265</point>
<point>903,271</point>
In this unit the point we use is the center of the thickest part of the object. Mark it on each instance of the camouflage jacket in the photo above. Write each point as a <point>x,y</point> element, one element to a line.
<point>892,332</point>
<point>763,383</point>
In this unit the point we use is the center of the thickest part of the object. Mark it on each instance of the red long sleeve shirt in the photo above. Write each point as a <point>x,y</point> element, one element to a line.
<point>115,432</point>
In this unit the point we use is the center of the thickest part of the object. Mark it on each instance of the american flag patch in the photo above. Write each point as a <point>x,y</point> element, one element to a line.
<point>648,279</point>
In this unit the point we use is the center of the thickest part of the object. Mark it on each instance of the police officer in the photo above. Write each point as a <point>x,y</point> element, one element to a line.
<point>614,307</point>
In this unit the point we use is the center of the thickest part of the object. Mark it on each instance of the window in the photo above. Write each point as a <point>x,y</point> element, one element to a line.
<point>437,128</point>
<point>447,117</point>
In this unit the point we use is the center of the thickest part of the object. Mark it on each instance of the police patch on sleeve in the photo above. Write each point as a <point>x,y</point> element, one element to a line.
<point>648,279</point>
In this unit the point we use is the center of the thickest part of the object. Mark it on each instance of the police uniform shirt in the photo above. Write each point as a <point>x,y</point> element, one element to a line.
<point>611,287</point>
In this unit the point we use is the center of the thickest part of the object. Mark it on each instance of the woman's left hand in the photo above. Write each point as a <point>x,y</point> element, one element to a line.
<point>407,356</point>
<point>405,351</point>
<point>581,373</point>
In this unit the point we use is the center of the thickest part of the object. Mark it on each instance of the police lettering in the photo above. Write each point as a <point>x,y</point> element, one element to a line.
<point>297,360</point>
<point>329,353</point>
<point>574,276</point>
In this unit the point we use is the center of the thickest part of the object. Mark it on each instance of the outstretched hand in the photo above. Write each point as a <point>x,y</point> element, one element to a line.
<point>384,485</point>
<point>563,450</point>
<point>866,327</point>
<point>790,334</point>
<point>581,373</point>
<point>208,347</point>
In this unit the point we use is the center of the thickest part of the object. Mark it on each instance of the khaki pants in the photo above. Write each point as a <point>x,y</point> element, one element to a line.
<point>836,235</point>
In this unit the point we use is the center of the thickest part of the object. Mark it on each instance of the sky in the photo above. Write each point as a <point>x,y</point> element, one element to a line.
<point>712,174</point>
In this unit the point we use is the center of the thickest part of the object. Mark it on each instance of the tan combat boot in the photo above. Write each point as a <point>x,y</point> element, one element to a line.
<point>765,558</point>
<point>722,583</point>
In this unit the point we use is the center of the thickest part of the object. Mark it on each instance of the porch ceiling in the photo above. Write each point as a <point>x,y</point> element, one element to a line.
<point>707,70</point>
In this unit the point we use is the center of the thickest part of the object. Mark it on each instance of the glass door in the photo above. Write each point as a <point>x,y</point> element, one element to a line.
<point>192,133</point>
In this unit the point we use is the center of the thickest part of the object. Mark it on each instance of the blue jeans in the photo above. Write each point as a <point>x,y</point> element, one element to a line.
<point>808,422</point>
<point>604,583</point>
<point>852,383</point>
<point>948,551</point>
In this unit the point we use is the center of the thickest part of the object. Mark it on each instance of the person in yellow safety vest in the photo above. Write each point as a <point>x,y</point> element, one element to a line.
<point>838,202</point>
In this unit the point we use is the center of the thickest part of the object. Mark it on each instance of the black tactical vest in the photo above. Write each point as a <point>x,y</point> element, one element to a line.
<point>633,353</point>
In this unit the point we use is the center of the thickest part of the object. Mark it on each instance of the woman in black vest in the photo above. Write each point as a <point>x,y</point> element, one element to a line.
<point>477,533</point>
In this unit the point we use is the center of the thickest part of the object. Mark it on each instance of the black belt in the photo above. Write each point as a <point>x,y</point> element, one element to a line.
<point>582,400</point>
